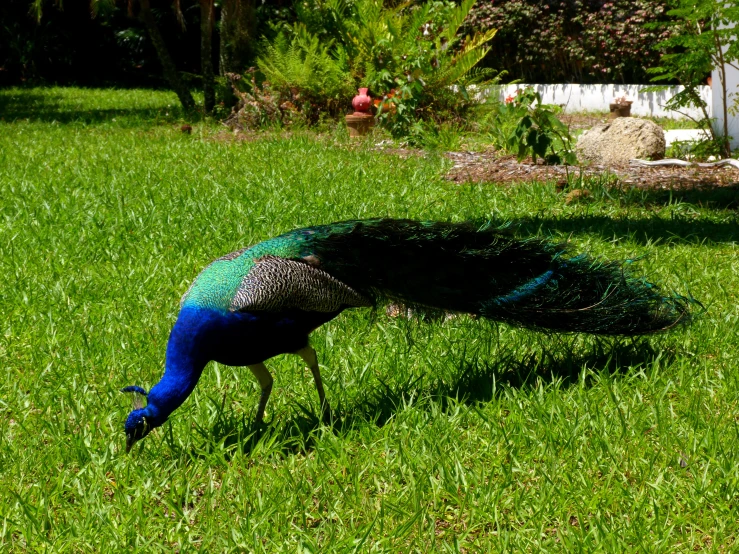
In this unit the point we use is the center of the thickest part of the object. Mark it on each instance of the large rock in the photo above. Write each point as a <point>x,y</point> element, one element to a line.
<point>621,140</point>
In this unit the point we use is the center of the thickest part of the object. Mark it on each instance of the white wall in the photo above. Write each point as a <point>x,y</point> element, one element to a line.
<point>582,98</point>
<point>732,83</point>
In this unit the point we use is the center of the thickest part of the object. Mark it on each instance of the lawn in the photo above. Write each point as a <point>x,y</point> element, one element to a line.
<point>455,436</point>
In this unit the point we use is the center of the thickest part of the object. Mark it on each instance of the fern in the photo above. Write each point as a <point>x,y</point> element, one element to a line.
<point>465,60</point>
<point>413,49</point>
<point>305,64</point>
<point>456,19</point>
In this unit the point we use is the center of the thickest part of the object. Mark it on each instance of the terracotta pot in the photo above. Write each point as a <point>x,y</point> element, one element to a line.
<point>620,110</point>
<point>361,102</point>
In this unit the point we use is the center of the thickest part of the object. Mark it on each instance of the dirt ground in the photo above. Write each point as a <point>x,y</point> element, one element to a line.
<point>577,121</point>
<point>490,167</point>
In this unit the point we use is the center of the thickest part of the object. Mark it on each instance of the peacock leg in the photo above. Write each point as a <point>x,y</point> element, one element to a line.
<point>262,374</point>
<point>309,357</point>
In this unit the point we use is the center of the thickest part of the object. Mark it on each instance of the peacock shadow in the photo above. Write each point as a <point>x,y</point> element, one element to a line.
<point>476,381</point>
<point>682,226</point>
<point>642,230</point>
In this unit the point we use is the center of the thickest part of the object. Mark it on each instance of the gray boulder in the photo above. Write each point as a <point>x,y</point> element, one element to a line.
<point>621,140</point>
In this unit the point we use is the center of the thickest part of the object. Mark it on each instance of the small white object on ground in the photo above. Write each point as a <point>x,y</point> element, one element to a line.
<point>672,161</point>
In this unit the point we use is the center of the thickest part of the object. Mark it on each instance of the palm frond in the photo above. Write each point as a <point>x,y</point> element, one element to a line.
<point>462,63</point>
<point>456,19</point>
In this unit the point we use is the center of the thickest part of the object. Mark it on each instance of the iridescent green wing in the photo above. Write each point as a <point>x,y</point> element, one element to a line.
<point>273,275</point>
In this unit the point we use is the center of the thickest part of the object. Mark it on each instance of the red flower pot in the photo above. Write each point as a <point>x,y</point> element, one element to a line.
<point>361,102</point>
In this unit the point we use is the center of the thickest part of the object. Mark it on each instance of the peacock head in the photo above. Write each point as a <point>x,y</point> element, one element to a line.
<point>141,420</point>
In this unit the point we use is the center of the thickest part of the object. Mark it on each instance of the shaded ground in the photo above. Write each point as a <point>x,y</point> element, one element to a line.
<point>490,167</point>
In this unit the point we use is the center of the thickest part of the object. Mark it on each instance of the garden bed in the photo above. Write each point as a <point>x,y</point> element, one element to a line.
<point>491,167</point>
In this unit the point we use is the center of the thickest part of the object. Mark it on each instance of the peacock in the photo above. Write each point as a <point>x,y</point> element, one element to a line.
<point>265,300</point>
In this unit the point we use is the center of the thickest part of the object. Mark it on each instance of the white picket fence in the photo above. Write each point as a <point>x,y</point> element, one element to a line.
<point>589,98</point>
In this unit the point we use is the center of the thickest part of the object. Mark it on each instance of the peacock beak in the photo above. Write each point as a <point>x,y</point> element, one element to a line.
<point>130,440</point>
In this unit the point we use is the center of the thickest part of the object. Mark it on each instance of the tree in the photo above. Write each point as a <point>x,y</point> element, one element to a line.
<point>703,39</point>
<point>170,70</point>
<point>238,35</point>
<point>206,54</point>
<point>146,17</point>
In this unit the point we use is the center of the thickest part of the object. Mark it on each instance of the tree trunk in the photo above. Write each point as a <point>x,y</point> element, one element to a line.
<point>721,66</point>
<point>206,54</point>
<point>170,71</point>
<point>238,35</point>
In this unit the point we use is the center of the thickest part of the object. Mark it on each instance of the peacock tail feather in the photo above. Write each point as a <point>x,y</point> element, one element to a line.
<point>455,267</point>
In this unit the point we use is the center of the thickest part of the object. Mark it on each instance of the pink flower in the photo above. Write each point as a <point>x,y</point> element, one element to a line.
<point>509,99</point>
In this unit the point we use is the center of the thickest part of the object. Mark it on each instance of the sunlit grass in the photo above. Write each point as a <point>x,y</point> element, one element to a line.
<point>455,436</point>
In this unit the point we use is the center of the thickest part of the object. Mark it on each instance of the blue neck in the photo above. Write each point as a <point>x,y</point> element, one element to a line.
<point>186,358</point>
<point>231,338</point>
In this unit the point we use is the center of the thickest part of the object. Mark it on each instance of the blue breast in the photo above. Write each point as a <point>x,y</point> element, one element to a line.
<point>242,338</point>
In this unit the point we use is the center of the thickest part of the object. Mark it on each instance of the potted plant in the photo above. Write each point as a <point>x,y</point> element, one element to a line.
<point>620,107</point>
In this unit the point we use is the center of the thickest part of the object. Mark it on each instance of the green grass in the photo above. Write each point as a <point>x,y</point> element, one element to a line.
<point>455,436</point>
<point>668,123</point>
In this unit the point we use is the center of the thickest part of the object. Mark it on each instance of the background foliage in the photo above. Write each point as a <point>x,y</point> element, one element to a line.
<point>538,41</point>
<point>69,46</point>
<point>572,41</point>
<point>412,58</point>
<point>701,37</point>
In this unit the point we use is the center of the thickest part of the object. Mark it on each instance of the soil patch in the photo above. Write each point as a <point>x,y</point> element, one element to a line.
<point>578,121</point>
<point>490,167</point>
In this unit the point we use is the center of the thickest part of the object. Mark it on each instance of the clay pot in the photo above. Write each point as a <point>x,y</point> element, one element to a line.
<point>619,109</point>
<point>361,102</point>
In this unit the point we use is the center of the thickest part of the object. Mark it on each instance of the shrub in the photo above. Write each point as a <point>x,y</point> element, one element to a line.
<point>300,80</point>
<point>302,69</point>
<point>411,56</point>
<point>525,127</point>
<point>259,106</point>
<point>416,59</point>
<point>585,41</point>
